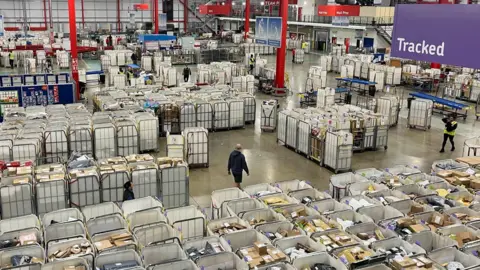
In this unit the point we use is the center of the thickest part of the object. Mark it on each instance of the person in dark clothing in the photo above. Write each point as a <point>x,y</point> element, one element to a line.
<point>293,55</point>
<point>237,164</point>
<point>186,73</point>
<point>134,58</point>
<point>109,40</point>
<point>128,193</point>
<point>251,63</point>
<point>449,132</point>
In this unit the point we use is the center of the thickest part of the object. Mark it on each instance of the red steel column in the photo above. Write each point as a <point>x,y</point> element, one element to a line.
<point>247,18</point>
<point>155,14</point>
<point>73,44</point>
<point>280,66</point>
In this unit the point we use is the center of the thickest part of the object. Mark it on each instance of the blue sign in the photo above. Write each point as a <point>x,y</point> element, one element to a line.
<point>261,30</point>
<point>162,22</point>
<point>2,31</point>
<point>274,31</point>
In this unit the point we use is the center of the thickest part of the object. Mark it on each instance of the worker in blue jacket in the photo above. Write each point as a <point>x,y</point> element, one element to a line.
<point>237,164</point>
<point>449,132</point>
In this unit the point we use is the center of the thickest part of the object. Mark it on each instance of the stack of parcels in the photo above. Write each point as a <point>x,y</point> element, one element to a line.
<point>407,263</point>
<point>23,239</point>
<point>281,233</point>
<point>142,166</point>
<point>112,165</point>
<point>416,208</point>
<point>438,220</point>
<point>471,161</point>
<point>292,214</point>
<point>228,228</point>
<point>407,226</point>
<point>298,250</point>
<point>275,201</point>
<point>315,224</point>
<point>209,249</point>
<point>354,254</point>
<point>463,238</point>
<point>393,181</point>
<point>168,162</point>
<point>261,254</point>
<point>336,239</point>
<point>49,172</point>
<point>395,252</point>
<point>72,251</point>
<point>465,218</point>
<point>82,172</point>
<point>19,260</point>
<point>139,158</point>
<point>118,240</point>
<point>370,237</point>
<point>460,178</point>
<point>437,203</point>
<point>18,171</point>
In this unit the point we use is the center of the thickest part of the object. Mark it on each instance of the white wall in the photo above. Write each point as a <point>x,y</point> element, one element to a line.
<point>342,33</point>
<point>97,13</point>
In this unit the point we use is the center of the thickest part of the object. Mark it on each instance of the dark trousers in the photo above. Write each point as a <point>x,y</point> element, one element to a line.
<point>11,63</point>
<point>185,78</point>
<point>293,59</point>
<point>251,69</point>
<point>445,138</point>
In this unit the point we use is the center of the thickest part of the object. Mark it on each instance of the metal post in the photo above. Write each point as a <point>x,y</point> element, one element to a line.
<point>155,14</point>
<point>83,14</point>
<point>247,18</point>
<point>51,21</point>
<point>25,19</point>
<point>280,66</point>
<point>119,29</point>
<point>73,44</point>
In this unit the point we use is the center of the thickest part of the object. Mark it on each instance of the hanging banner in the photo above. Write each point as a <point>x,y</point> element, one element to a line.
<point>334,11</point>
<point>261,30</point>
<point>274,31</point>
<point>433,33</point>
<point>2,30</point>
<point>277,2</point>
<point>215,9</point>
<point>162,22</point>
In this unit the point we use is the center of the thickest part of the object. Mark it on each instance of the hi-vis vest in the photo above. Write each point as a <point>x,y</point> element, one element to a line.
<point>451,133</point>
<point>252,61</point>
<point>11,56</point>
<point>304,45</point>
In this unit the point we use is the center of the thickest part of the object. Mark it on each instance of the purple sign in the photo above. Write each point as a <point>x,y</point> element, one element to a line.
<point>437,33</point>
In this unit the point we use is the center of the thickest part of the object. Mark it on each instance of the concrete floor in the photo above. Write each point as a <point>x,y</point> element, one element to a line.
<point>270,162</point>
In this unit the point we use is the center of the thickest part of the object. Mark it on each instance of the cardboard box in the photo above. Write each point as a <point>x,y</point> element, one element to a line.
<point>472,161</point>
<point>406,222</point>
<point>403,263</point>
<point>417,228</point>
<point>70,267</point>
<point>427,262</point>
<point>475,184</point>
<point>104,244</point>
<point>416,208</point>
<point>451,180</point>
<point>261,248</point>
<point>463,238</point>
<point>444,174</point>
<point>121,236</point>
<point>122,242</point>
<point>463,181</point>
<point>460,174</point>
<point>437,219</point>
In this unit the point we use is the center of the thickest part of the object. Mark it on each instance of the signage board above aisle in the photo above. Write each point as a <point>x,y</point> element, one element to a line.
<point>268,31</point>
<point>415,37</point>
<point>337,11</point>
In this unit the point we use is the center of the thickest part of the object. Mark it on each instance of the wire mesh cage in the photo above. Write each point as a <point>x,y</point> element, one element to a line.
<point>240,206</point>
<point>214,226</point>
<point>16,199</point>
<point>139,204</point>
<point>328,206</point>
<point>340,182</point>
<point>309,195</point>
<point>62,215</point>
<point>323,257</point>
<point>220,197</point>
<point>380,213</point>
<point>224,260</point>
<point>184,265</point>
<point>277,200</point>
<point>174,186</point>
<point>64,230</point>
<point>147,216</point>
<point>348,218</point>
<point>430,241</point>
<point>153,234</point>
<point>405,206</point>
<point>59,265</point>
<point>450,254</point>
<point>131,243</point>
<point>261,189</point>
<point>84,187</point>
<point>7,255</point>
<point>244,238</point>
<point>289,243</point>
<point>106,223</point>
<point>273,228</point>
<point>365,188</point>
<point>402,170</point>
<point>188,220</point>
<point>217,243</point>
<point>292,185</point>
<point>65,243</point>
<point>261,216</point>
<point>388,196</point>
<point>163,253</point>
<point>421,179</point>
<point>396,242</point>
<point>358,201</point>
<point>462,214</point>
<point>415,191</point>
<point>102,209</point>
<point>371,228</point>
<point>126,258</point>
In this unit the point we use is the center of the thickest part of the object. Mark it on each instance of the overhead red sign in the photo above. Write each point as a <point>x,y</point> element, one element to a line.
<point>215,9</point>
<point>140,6</point>
<point>336,11</point>
<point>277,2</point>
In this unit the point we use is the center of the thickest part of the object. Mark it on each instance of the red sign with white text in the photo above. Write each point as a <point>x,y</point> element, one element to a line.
<point>277,2</point>
<point>215,9</point>
<point>337,11</point>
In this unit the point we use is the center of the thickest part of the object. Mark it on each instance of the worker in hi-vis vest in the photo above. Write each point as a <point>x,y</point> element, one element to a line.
<point>11,56</point>
<point>304,45</point>
<point>449,131</point>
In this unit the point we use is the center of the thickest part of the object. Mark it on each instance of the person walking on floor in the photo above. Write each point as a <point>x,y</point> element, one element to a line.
<point>11,57</point>
<point>237,164</point>
<point>128,193</point>
<point>186,73</point>
<point>449,132</point>
<point>251,63</point>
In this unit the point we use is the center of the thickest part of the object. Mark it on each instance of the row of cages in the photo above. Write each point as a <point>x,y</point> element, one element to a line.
<point>371,218</point>
<point>38,189</point>
<point>58,130</point>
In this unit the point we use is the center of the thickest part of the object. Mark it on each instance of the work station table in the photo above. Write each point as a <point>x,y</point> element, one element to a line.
<point>444,106</point>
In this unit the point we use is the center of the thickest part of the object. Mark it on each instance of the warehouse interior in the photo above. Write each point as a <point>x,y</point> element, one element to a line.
<point>237,135</point>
